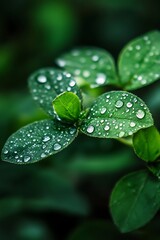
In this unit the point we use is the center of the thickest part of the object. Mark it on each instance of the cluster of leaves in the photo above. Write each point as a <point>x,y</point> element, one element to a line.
<point>115,114</point>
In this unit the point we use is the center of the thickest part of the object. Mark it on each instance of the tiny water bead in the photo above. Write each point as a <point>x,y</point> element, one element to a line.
<point>6,151</point>
<point>132,124</point>
<point>90,129</point>
<point>72,83</point>
<point>106,128</point>
<point>57,146</point>
<point>95,58</point>
<point>61,62</point>
<point>27,158</point>
<point>103,110</point>
<point>129,104</point>
<point>46,139</point>
<point>140,114</point>
<point>101,78</point>
<point>119,104</point>
<point>42,79</point>
<point>86,73</point>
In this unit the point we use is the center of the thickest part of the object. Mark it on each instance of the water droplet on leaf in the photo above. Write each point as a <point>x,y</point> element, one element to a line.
<point>106,128</point>
<point>57,146</point>
<point>42,79</point>
<point>121,134</point>
<point>90,129</point>
<point>101,78</point>
<point>72,83</point>
<point>6,151</point>
<point>129,104</point>
<point>119,104</point>
<point>103,110</point>
<point>140,114</point>
<point>27,158</point>
<point>132,124</point>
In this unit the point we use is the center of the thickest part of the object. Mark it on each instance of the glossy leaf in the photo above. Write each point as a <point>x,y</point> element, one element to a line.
<point>135,200</point>
<point>116,114</point>
<point>146,143</point>
<point>139,61</point>
<point>67,106</point>
<point>37,141</point>
<point>90,65</point>
<point>46,84</point>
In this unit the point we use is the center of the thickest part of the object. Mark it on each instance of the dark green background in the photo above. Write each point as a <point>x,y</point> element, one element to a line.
<point>65,196</point>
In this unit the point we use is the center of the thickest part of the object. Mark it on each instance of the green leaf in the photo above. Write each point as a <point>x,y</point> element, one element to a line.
<point>146,143</point>
<point>90,65</point>
<point>135,200</point>
<point>46,84</point>
<point>139,61</point>
<point>67,106</point>
<point>116,114</point>
<point>37,141</point>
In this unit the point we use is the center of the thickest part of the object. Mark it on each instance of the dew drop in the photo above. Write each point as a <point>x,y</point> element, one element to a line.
<point>106,128</point>
<point>27,158</point>
<point>129,104</point>
<point>132,124</point>
<point>72,83</point>
<point>139,78</point>
<point>72,131</point>
<point>95,58</point>
<point>61,63</point>
<point>121,134</point>
<point>68,75</point>
<point>59,77</point>
<point>103,110</point>
<point>57,146</point>
<point>43,155</point>
<point>138,47</point>
<point>90,129</point>
<point>6,151</point>
<point>42,79</point>
<point>47,86</point>
<point>101,78</point>
<point>140,114</point>
<point>77,72</point>
<point>46,139</point>
<point>86,73</point>
<point>119,104</point>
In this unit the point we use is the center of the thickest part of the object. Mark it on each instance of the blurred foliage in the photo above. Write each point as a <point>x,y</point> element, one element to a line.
<point>65,197</point>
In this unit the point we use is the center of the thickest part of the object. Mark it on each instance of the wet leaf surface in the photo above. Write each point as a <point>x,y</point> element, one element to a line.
<point>46,84</point>
<point>90,65</point>
<point>37,141</point>
<point>139,61</point>
<point>116,114</point>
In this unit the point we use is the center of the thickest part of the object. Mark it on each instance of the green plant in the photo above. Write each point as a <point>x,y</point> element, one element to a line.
<point>115,114</point>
